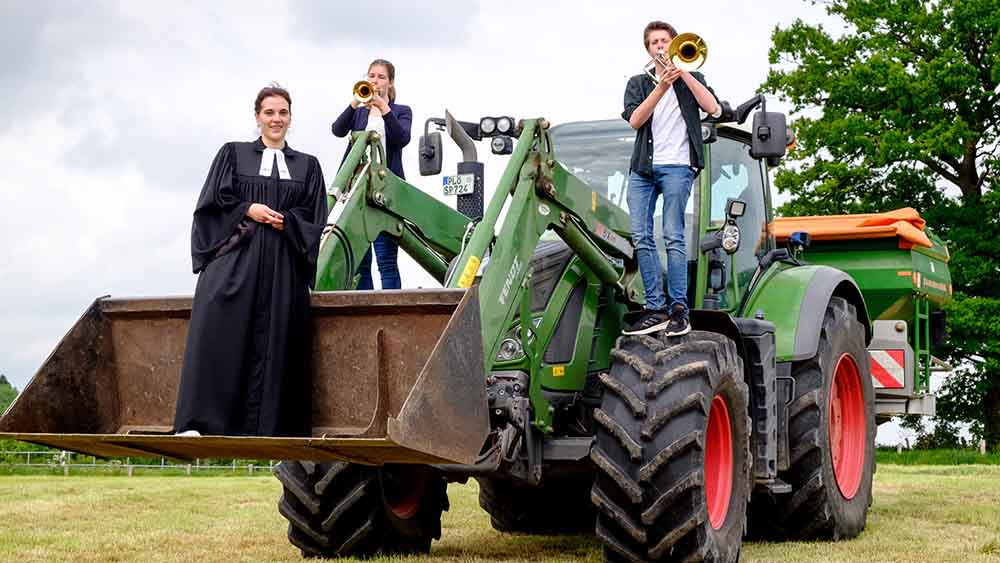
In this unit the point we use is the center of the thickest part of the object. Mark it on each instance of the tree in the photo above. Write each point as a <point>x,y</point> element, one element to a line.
<point>903,109</point>
<point>7,393</point>
<point>943,434</point>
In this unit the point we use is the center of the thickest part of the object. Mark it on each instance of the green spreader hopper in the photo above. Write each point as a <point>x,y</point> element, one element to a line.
<point>902,271</point>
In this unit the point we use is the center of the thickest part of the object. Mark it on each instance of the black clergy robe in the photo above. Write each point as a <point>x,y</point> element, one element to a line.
<point>246,368</point>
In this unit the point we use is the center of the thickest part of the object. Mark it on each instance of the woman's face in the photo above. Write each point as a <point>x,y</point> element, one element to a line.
<point>274,118</point>
<point>378,75</point>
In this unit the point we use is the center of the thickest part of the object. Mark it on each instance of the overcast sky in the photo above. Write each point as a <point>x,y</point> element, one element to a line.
<point>115,110</point>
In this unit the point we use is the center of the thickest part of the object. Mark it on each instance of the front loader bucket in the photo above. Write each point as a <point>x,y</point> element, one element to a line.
<point>398,377</point>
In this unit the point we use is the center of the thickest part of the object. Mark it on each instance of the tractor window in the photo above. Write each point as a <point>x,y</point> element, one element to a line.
<point>599,153</point>
<point>735,175</point>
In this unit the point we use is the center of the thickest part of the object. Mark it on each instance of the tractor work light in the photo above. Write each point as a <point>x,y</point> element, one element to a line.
<point>487,126</point>
<point>502,145</point>
<point>505,125</point>
<point>510,349</point>
<point>735,208</point>
<point>800,239</point>
<point>493,126</point>
<point>730,238</point>
<point>708,134</point>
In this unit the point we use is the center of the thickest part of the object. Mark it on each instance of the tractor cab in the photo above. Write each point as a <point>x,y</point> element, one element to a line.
<point>720,271</point>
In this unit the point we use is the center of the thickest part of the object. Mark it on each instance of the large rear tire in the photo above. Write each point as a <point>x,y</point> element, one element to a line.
<point>343,509</point>
<point>560,505</point>
<point>831,435</point>
<point>672,450</point>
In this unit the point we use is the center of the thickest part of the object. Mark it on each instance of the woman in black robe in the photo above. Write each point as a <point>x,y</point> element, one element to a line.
<point>254,242</point>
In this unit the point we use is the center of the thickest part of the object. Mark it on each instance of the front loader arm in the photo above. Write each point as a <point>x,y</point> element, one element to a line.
<point>368,199</point>
<point>542,196</point>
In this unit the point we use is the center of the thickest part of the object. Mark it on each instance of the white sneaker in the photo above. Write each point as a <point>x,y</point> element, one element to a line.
<point>188,434</point>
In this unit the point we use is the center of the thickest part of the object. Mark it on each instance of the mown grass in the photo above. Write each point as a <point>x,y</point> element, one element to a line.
<point>937,513</point>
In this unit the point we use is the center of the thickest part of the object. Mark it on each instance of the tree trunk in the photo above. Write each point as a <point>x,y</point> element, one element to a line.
<point>991,413</point>
<point>968,175</point>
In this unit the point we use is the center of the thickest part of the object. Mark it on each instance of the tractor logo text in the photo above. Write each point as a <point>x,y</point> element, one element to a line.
<point>515,269</point>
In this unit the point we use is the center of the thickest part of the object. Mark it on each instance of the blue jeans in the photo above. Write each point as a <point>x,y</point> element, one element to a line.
<point>386,250</point>
<point>674,183</point>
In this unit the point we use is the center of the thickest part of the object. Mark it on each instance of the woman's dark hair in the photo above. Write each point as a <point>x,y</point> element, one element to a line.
<point>272,89</point>
<point>390,69</point>
<point>657,25</point>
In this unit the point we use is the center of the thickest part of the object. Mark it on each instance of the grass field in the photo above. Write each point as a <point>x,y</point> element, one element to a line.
<point>920,513</point>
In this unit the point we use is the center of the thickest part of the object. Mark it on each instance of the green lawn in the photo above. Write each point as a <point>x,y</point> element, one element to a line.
<point>921,513</point>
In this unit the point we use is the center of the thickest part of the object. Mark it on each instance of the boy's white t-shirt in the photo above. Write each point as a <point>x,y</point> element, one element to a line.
<point>670,138</point>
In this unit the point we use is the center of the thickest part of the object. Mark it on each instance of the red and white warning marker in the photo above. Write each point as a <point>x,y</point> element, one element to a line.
<point>888,368</point>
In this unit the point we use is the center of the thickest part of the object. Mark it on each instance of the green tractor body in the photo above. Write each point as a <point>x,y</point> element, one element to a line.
<point>516,373</point>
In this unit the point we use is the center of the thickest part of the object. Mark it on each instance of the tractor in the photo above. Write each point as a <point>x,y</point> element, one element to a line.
<point>761,421</point>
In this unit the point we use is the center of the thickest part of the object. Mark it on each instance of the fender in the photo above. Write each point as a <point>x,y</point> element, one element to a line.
<point>717,321</point>
<point>795,299</point>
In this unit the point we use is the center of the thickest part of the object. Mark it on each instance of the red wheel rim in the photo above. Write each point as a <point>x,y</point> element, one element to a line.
<point>847,426</point>
<point>718,462</point>
<point>406,507</point>
<point>408,491</point>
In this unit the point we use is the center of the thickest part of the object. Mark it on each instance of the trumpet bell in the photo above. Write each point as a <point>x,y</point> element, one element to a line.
<point>688,51</point>
<point>363,91</point>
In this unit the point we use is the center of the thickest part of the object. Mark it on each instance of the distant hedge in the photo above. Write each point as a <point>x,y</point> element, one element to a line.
<point>935,457</point>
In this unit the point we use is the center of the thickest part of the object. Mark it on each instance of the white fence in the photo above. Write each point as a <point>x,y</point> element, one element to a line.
<point>65,460</point>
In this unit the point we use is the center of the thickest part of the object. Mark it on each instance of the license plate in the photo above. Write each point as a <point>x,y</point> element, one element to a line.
<point>459,184</point>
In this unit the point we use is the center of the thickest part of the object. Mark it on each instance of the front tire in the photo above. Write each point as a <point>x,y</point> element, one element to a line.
<point>672,450</point>
<point>831,435</point>
<point>343,509</point>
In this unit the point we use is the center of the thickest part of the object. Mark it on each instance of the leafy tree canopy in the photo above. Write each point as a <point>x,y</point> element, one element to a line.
<point>901,108</point>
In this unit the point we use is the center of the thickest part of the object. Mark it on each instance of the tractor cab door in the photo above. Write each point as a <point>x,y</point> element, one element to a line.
<point>599,153</point>
<point>731,173</point>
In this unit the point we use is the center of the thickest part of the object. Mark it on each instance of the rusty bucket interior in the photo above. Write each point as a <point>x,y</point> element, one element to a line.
<point>398,377</point>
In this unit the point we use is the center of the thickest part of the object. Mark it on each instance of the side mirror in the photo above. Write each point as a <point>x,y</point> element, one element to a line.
<point>716,274</point>
<point>430,154</point>
<point>790,140</point>
<point>769,135</point>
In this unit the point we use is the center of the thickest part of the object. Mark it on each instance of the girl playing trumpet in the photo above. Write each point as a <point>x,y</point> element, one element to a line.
<point>392,121</point>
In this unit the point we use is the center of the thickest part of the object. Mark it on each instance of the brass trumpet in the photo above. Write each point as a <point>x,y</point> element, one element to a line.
<point>363,91</point>
<point>687,51</point>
